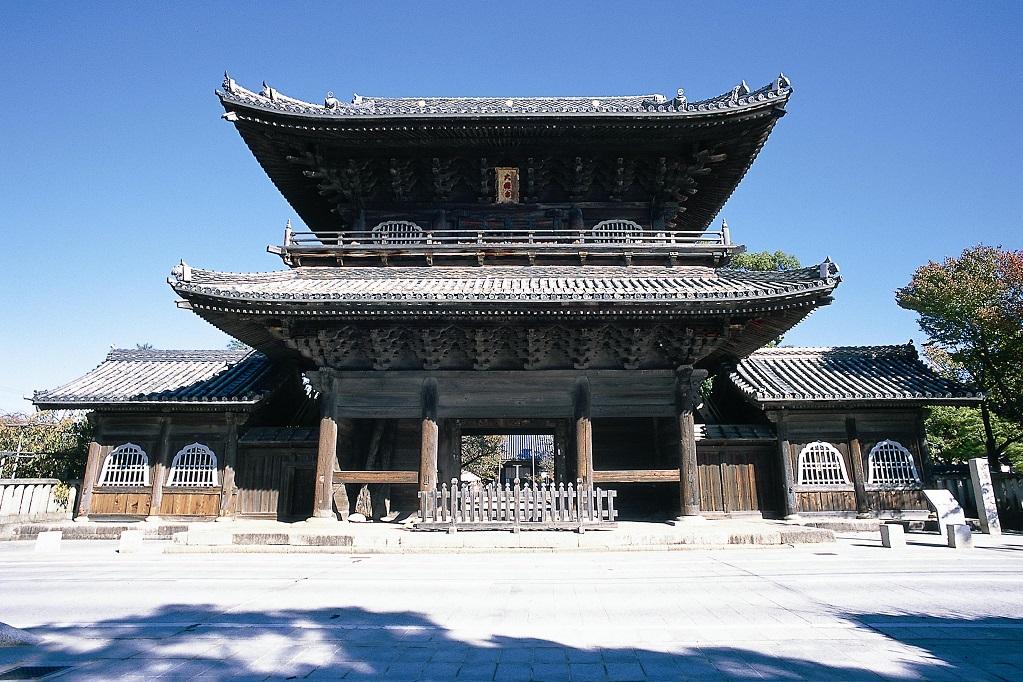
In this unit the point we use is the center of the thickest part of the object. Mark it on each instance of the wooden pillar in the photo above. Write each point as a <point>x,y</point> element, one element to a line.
<point>326,452</point>
<point>227,488</point>
<point>430,437</point>
<point>160,469</point>
<point>926,463</point>
<point>859,481</point>
<point>583,432</point>
<point>92,466</point>
<point>789,508</point>
<point>561,452</point>
<point>687,393</point>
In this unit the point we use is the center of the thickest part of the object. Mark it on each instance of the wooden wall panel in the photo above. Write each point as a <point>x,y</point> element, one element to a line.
<point>822,501</point>
<point>120,503</point>
<point>738,477</point>
<point>191,503</point>
<point>897,500</point>
<point>263,476</point>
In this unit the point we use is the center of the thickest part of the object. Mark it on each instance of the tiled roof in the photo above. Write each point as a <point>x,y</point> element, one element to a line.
<point>141,377</point>
<point>507,284</point>
<point>738,98</point>
<point>845,374</point>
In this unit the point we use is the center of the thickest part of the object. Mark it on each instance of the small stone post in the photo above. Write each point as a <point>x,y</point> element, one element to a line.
<point>984,494</point>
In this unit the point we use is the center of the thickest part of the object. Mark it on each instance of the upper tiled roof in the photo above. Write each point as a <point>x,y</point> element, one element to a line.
<point>739,97</point>
<point>143,377</point>
<point>845,374</point>
<point>505,284</point>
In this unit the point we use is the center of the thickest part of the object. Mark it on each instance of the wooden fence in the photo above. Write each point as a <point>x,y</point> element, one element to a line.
<point>1008,496</point>
<point>515,507</point>
<point>33,499</point>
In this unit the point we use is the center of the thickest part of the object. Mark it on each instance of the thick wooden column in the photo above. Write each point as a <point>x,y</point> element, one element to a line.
<point>92,465</point>
<point>428,449</point>
<point>227,488</point>
<point>687,392</point>
<point>326,452</point>
<point>926,462</point>
<point>159,471</point>
<point>583,432</point>
<point>859,480</point>
<point>560,452</point>
<point>789,508</point>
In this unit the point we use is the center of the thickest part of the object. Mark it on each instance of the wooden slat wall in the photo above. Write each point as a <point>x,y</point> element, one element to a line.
<point>121,503</point>
<point>819,501</point>
<point>263,474</point>
<point>191,503</point>
<point>737,477</point>
<point>896,500</point>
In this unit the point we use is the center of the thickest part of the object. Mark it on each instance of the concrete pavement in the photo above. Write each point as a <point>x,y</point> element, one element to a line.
<point>844,610</point>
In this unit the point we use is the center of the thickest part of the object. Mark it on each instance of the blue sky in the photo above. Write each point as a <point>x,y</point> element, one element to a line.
<point>902,142</point>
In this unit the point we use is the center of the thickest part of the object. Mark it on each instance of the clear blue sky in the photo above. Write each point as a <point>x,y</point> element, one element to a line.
<point>902,144</point>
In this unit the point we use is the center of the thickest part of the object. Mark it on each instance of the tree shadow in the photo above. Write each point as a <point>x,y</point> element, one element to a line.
<point>353,643</point>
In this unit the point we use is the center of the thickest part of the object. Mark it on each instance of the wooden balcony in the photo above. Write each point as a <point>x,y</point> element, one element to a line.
<point>403,242</point>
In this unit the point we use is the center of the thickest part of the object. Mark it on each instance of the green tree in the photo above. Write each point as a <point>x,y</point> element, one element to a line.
<point>61,444</point>
<point>482,455</point>
<point>971,308</point>
<point>235,344</point>
<point>765,261</point>
<point>957,434</point>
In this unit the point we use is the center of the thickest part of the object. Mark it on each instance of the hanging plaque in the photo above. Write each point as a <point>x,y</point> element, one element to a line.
<point>507,185</point>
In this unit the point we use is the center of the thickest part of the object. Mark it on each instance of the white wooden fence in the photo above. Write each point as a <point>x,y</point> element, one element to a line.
<point>33,499</point>
<point>515,507</point>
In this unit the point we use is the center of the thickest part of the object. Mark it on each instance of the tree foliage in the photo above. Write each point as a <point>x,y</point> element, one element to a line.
<point>61,443</point>
<point>765,261</point>
<point>971,308</point>
<point>482,455</point>
<point>957,434</point>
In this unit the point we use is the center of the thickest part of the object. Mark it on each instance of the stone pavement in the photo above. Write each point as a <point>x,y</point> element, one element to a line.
<point>844,610</point>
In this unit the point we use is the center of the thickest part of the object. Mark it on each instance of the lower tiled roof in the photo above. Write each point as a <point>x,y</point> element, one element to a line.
<point>508,284</point>
<point>142,377</point>
<point>845,374</point>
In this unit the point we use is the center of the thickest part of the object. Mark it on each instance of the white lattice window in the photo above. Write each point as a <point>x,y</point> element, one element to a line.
<point>891,464</point>
<point>195,466</point>
<point>617,231</point>
<point>397,232</point>
<point>821,463</point>
<point>126,465</point>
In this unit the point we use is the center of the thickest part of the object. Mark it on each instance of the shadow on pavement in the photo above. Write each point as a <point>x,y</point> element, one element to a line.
<point>353,643</point>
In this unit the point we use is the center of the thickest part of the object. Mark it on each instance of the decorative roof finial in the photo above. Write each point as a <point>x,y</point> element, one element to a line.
<point>780,82</point>
<point>229,84</point>
<point>680,102</point>
<point>828,268</point>
<point>268,92</point>
<point>738,91</point>
<point>331,102</point>
<point>182,272</point>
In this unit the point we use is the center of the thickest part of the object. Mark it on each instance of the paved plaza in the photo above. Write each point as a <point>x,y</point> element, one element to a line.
<point>843,610</point>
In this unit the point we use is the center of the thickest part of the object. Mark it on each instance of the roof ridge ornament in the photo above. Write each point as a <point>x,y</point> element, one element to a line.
<point>182,272</point>
<point>781,82</point>
<point>740,90</point>
<point>268,92</point>
<point>229,84</point>
<point>828,269</point>
<point>330,102</point>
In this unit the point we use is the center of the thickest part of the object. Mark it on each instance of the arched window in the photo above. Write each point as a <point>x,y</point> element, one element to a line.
<point>821,464</point>
<point>126,465</point>
<point>891,464</point>
<point>195,466</point>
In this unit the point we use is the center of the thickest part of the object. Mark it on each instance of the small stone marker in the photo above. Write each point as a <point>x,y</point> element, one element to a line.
<point>959,536</point>
<point>984,493</point>
<point>893,535</point>
<point>131,541</point>
<point>947,507</point>
<point>49,541</point>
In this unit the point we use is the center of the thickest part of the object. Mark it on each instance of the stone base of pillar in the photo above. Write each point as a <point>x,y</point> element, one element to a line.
<point>686,520</point>
<point>82,519</point>
<point>323,520</point>
<point>866,515</point>
<point>224,519</point>
<point>154,519</point>
<point>792,517</point>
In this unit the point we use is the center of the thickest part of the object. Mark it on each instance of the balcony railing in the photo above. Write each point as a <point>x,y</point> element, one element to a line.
<point>405,240</point>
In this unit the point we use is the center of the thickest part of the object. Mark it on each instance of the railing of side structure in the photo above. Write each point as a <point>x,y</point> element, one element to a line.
<point>516,506</point>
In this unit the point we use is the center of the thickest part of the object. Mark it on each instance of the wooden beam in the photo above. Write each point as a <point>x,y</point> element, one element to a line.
<point>636,476</point>
<point>377,476</point>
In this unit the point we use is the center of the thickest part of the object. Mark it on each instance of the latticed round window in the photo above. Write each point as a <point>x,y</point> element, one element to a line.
<point>821,463</point>
<point>891,464</point>
<point>126,465</point>
<point>195,466</point>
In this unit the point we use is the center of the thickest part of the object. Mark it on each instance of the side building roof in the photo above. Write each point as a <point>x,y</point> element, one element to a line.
<point>194,379</point>
<point>866,375</point>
